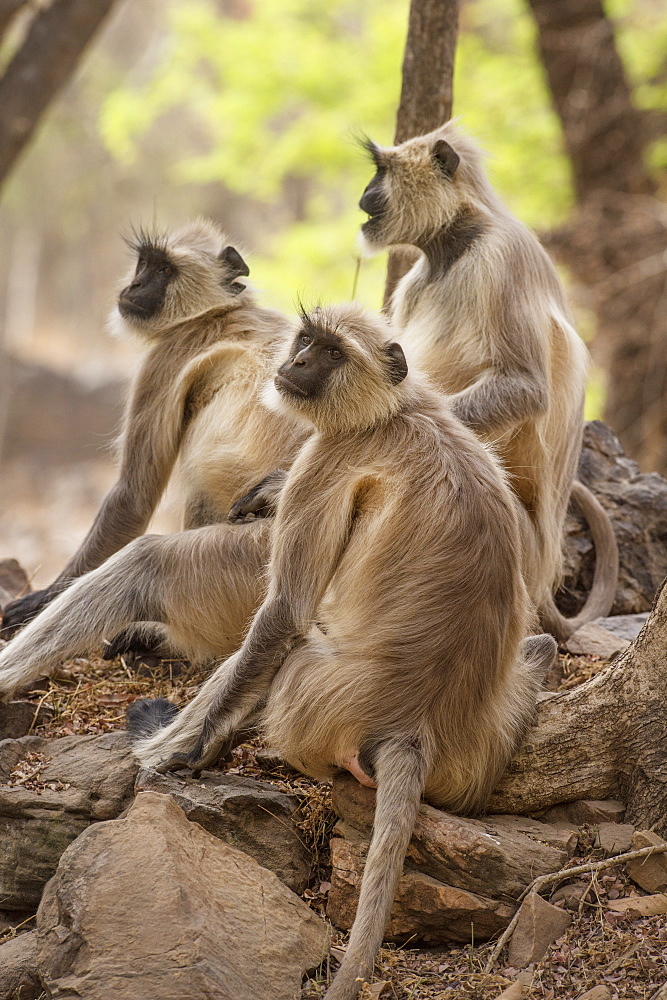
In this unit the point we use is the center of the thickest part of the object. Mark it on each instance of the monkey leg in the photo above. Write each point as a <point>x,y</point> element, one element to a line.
<point>202,584</point>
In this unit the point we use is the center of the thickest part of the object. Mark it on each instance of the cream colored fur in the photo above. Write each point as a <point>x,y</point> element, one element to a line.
<point>395,615</point>
<point>492,329</point>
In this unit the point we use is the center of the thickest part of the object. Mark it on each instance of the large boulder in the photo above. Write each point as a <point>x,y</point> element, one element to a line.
<point>51,790</point>
<point>19,979</point>
<point>252,815</point>
<point>637,505</point>
<point>154,906</point>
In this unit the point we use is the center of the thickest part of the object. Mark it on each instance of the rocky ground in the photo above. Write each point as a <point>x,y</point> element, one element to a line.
<point>167,886</point>
<point>604,947</point>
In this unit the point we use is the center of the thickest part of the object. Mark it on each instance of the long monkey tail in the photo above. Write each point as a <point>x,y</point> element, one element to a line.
<point>400,770</point>
<point>602,593</point>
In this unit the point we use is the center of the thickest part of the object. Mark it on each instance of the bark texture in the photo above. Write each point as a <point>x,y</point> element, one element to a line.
<point>43,64</point>
<point>606,738</point>
<point>615,242</point>
<point>426,91</point>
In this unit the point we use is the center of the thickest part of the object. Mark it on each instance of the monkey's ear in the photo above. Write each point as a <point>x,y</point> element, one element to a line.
<point>446,157</point>
<point>398,366</point>
<point>234,261</point>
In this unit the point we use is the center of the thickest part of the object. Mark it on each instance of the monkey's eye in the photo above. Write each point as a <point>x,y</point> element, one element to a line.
<point>306,340</point>
<point>166,269</point>
<point>334,352</point>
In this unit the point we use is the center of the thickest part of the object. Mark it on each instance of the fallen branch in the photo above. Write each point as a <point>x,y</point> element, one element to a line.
<point>604,739</point>
<point>539,883</point>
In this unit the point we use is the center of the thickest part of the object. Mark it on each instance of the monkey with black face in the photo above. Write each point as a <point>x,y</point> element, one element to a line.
<point>390,640</point>
<point>193,418</point>
<point>482,312</point>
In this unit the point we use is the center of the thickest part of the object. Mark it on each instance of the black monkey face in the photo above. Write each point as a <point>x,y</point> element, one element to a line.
<point>316,354</point>
<point>144,296</point>
<point>374,201</point>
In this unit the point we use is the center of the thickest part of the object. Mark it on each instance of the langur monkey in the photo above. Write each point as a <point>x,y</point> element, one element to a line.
<point>194,416</point>
<point>391,639</point>
<point>482,313</point>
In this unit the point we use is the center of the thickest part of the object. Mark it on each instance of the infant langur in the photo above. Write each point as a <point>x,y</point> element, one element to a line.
<point>390,641</point>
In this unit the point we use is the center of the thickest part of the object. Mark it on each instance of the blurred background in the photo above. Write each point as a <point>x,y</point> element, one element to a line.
<point>246,111</point>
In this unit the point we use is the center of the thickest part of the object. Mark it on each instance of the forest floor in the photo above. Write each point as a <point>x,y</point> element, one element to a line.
<point>628,954</point>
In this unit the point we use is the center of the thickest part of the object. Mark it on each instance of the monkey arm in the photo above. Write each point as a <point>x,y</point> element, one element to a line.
<point>499,400</point>
<point>310,535</point>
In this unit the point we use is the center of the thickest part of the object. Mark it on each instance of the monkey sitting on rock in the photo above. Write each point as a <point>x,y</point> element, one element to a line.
<point>391,638</point>
<point>482,312</point>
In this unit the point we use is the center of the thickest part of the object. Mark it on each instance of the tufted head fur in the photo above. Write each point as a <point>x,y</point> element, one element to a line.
<point>176,278</point>
<point>344,373</point>
<point>420,185</point>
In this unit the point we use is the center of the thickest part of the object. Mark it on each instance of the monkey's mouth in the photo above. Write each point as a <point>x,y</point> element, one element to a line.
<point>283,384</point>
<point>128,307</point>
<point>236,288</point>
<point>372,223</point>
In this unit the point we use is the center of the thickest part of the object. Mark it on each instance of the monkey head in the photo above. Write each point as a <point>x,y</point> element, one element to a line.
<point>177,277</point>
<point>418,187</point>
<point>343,373</point>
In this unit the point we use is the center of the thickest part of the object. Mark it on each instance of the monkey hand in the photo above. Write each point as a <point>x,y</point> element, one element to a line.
<point>261,500</point>
<point>21,611</point>
<point>138,639</point>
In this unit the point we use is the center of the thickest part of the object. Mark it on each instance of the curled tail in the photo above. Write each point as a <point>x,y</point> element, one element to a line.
<point>400,770</point>
<point>602,593</point>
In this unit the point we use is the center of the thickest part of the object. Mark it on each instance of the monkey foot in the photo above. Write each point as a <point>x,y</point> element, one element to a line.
<point>352,765</point>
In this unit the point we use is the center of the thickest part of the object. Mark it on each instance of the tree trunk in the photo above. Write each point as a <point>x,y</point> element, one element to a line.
<point>617,238</point>
<point>426,92</point>
<point>8,10</point>
<point>47,59</point>
<point>606,738</point>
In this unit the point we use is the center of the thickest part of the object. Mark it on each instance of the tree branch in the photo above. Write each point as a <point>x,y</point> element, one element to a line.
<point>426,92</point>
<point>44,63</point>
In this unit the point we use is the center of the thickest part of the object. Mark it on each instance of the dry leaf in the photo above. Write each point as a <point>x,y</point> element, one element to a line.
<point>645,906</point>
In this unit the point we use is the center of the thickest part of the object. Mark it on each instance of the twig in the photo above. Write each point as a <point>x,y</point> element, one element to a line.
<point>539,883</point>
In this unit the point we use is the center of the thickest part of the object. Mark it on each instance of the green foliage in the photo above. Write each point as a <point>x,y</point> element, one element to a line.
<point>273,96</point>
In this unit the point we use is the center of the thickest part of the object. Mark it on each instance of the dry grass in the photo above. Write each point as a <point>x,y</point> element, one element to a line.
<point>628,955</point>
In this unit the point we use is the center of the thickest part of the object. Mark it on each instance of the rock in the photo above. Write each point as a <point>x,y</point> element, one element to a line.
<point>14,581</point>
<point>50,791</point>
<point>614,838</point>
<point>571,894</point>
<point>18,968</point>
<point>637,505</point>
<point>645,906</point>
<point>154,906</point>
<point>627,626</point>
<point>597,993</point>
<point>650,872</point>
<point>252,815</point>
<point>586,811</point>
<point>539,925</point>
<point>424,909</point>
<point>17,718</point>
<point>497,855</point>
<point>593,640</point>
